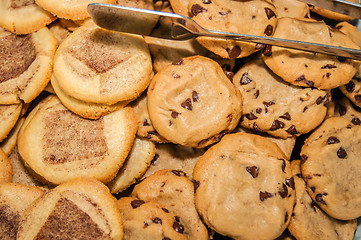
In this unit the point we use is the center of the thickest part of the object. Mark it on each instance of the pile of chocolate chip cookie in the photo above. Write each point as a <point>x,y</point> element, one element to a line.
<point>110,135</point>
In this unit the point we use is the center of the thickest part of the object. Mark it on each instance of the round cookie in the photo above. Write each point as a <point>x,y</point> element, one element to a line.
<point>23,16</point>
<point>308,69</point>
<point>9,143</point>
<point>6,168</point>
<point>9,115</point>
<point>59,145</point>
<point>25,64</point>
<point>308,221</point>
<point>135,165</point>
<point>242,181</point>
<point>283,113</point>
<point>332,15</point>
<point>173,156</point>
<point>148,220</point>
<point>350,30</point>
<point>145,126</point>
<point>78,208</point>
<point>176,192</point>
<point>331,167</point>
<point>256,17</point>
<point>14,200</point>
<point>71,9</point>
<point>291,8</point>
<point>193,103</point>
<point>85,109</point>
<point>100,66</point>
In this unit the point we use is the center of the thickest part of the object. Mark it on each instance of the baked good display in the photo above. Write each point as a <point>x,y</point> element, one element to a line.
<point>331,167</point>
<point>14,200</point>
<point>68,146</point>
<point>241,181</point>
<point>193,103</point>
<point>84,202</point>
<point>23,16</point>
<point>25,64</point>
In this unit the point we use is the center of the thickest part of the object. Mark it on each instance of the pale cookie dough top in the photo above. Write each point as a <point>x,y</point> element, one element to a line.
<point>276,107</point>
<point>291,8</point>
<point>308,221</point>
<point>242,181</point>
<point>331,167</point>
<point>193,103</point>
<point>307,69</point>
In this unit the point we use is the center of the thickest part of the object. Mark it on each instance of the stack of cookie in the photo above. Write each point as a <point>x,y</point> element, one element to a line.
<point>110,135</point>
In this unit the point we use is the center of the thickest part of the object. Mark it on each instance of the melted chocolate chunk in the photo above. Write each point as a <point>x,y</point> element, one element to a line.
<point>177,218</point>
<point>313,206</point>
<point>264,195</point>
<point>319,198</point>
<point>207,1</point>
<point>196,185</point>
<point>255,127</point>
<point>197,9</point>
<point>313,189</point>
<point>245,79</point>
<point>229,75</point>
<point>234,52</point>
<point>177,62</point>
<point>350,86</point>
<point>291,182</point>
<point>251,116</point>
<point>146,123</point>
<point>267,51</point>
<point>157,220</point>
<point>283,192</point>
<point>332,140</point>
<point>304,158</point>
<point>310,83</point>
<point>286,116</point>
<point>341,59</point>
<point>178,227</point>
<point>341,153</point>
<point>137,203</point>
<point>356,121</point>
<point>300,78</point>
<point>269,30</point>
<point>256,94</point>
<point>174,114</point>
<point>187,104</point>
<point>165,210</point>
<point>269,12</point>
<point>254,170</point>
<point>224,13</point>
<point>178,173</point>
<point>260,46</point>
<point>283,164</point>
<point>292,130</point>
<point>277,125</point>
<point>328,66</point>
<point>286,217</point>
<point>358,98</point>
<point>259,110</point>
<point>319,100</point>
<point>341,109</point>
<point>195,96</point>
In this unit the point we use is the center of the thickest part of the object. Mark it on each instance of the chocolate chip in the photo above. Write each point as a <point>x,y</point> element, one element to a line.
<point>286,217</point>
<point>269,12</point>
<point>350,86</point>
<point>165,210</point>
<point>305,108</point>
<point>224,13</point>
<point>341,109</point>
<point>165,238</point>
<point>195,96</point>
<point>284,191</point>
<point>156,156</point>
<point>251,116</point>
<point>291,182</point>
<point>313,206</point>
<point>229,74</point>
<point>269,30</point>
<point>299,175</point>
<point>277,125</point>
<point>234,52</point>
<point>356,121</point>
<point>145,123</point>
<point>178,173</point>
<point>267,104</point>
<point>313,189</point>
<point>264,195</point>
<point>177,219</point>
<point>157,220</point>
<point>319,198</point>
<point>328,66</point>
<point>196,185</point>
<point>292,130</point>
<point>259,46</point>
<point>245,79</point>
<point>187,104</point>
<point>254,170</point>
<point>197,9</point>
<point>304,158</point>
<point>267,51</point>
<point>283,164</point>
<point>177,62</point>
<point>178,227</point>
<point>207,1</point>
<point>328,75</point>
<point>341,153</point>
<point>151,133</point>
<point>259,110</point>
<point>332,140</point>
<point>255,127</point>
<point>319,100</point>
<point>137,203</point>
<point>310,83</point>
<point>341,59</point>
<point>181,21</point>
<point>358,98</point>
<point>286,116</point>
<point>174,114</point>
<point>256,94</point>
<point>300,78</point>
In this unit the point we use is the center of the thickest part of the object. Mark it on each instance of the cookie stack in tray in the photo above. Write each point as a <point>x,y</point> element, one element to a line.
<point>109,135</point>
